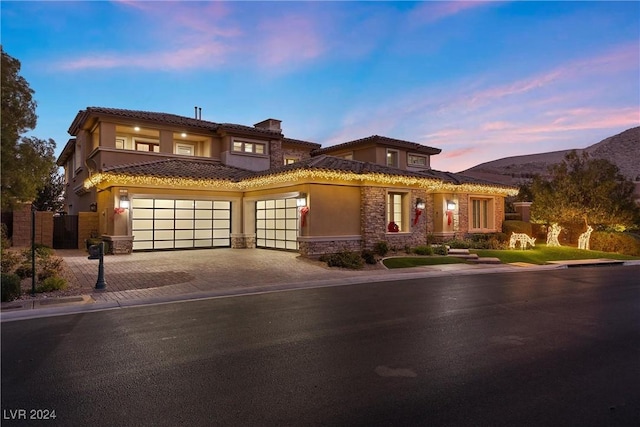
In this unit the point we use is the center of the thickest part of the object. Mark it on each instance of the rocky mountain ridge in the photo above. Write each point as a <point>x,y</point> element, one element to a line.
<point>622,149</point>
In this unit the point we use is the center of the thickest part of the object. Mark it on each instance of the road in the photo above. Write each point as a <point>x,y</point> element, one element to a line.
<point>558,347</point>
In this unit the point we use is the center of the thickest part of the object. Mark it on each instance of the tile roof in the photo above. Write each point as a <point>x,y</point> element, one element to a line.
<point>331,163</point>
<point>164,118</point>
<point>301,142</point>
<point>413,146</point>
<point>215,170</point>
<point>181,168</point>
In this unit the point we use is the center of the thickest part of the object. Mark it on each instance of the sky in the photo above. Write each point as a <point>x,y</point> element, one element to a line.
<point>481,80</point>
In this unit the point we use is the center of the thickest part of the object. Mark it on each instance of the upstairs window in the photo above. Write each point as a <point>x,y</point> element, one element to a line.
<point>184,149</point>
<point>146,145</point>
<point>249,147</point>
<point>289,160</point>
<point>418,161</point>
<point>392,158</point>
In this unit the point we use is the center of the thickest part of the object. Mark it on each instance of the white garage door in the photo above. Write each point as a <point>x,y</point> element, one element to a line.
<point>180,224</point>
<point>277,224</point>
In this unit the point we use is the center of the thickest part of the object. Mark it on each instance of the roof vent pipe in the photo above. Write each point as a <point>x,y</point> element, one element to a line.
<point>199,113</point>
<point>196,111</point>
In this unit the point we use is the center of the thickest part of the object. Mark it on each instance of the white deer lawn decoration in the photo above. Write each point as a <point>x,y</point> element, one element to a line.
<point>552,235</point>
<point>521,238</point>
<point>583,240</point>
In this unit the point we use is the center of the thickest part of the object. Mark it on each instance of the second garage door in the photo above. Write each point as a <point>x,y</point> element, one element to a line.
<point>277,224</point>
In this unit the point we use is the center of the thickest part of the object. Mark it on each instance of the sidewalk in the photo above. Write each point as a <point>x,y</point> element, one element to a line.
<point>157,277</point>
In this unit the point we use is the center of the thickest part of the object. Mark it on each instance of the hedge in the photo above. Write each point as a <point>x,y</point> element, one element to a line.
<point>620,243</point>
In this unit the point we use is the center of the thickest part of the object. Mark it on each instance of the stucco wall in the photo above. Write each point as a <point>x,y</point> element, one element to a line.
<point>333,210</point>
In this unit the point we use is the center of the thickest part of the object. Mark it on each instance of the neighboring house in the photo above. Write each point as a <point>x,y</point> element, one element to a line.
<point>161,181</point>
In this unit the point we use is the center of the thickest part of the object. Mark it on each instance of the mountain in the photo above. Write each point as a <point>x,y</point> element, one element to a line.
<point>622,150</point>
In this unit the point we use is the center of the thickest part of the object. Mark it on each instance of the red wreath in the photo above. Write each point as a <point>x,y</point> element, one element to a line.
<point>393,227</point>
<point>118,210</point>
<point>418,212</point>
<point>303,215</point>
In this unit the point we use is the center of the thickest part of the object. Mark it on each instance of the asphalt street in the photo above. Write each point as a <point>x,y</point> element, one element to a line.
<point>545,348</point>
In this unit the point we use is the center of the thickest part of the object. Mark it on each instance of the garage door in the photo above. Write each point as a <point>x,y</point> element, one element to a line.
<point>277,224</point>
<point>180,224</point>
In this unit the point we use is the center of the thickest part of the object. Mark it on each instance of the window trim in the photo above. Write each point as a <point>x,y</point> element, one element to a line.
<point>404,226</point>
<point>397,156</point>
<point>178,145</point>
<point>244,143</point>
<point>486,214</point>
<point>148,141</point>
<point>417,156</point>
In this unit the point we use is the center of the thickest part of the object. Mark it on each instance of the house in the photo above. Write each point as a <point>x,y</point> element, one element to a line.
<point>155,181</point>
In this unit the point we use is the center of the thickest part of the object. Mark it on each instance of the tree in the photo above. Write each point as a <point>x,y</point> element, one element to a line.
<point>50,196</point>
<point>25,162</point>
<point>582,190</point>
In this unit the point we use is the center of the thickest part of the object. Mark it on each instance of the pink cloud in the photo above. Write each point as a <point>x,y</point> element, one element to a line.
<point>289,38</point>
<point>433,11</point>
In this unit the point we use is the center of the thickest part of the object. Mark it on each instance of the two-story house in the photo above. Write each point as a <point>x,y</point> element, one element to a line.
<point>161,181</point>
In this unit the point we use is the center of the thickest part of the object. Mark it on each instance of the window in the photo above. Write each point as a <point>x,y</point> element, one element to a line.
<point>123,143</point>
<point>481,214</point>
<point>395,210</point>
<point>77,157</point>
<point>249,147</point>
<point>184,149</point>
<point>146,145</point>
<point>392,158</point>
<point>347,156</point>
<point>289,160</point>
<point>419,161</point>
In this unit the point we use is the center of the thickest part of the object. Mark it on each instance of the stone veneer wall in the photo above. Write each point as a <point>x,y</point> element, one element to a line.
<point>275,154</point>
<point>297,154</point>
<point>499,213</point>
<point>374,223</point>
<point>243,241</point>
<point>461,217</point>
<point>311,249</point>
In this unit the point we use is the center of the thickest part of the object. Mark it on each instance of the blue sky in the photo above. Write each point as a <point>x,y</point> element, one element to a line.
<point>480,80</point>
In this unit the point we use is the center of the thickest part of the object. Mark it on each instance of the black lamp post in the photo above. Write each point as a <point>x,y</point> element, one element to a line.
<point>97,252</point>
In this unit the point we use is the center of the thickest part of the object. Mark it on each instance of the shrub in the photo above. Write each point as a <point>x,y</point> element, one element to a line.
<point>368,256</point>
<point>423,250</point>
<point>5,242</point>
<point>488,241</point>
<point>9,261</point>
<point>49,266</point>
<point>459,244</point>
<point>344,259</point>
<point>24,271</point>
<point>615,242</point>
<point>10,287</point>
<point>52,283</point>
<point>381,248</point>
<point>440,250</point>
<point>509,227</point>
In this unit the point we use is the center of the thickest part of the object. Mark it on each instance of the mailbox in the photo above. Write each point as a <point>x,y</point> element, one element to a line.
<point>94,252</point>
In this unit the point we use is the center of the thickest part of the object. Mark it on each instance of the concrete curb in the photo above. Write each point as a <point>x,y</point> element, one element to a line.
<point>31,309</point>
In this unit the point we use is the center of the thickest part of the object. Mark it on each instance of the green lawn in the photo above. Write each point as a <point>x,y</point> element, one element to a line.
<point>540,254</point>
<point>406,262</point>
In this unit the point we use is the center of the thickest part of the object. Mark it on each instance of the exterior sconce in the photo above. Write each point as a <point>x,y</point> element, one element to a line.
<point>124,202</point>
<point>301,201</point>
<point>93,207</point>
<point>419,209</point>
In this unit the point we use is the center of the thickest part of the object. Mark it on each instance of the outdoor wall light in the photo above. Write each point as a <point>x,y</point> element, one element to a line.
<point>301,201</point>
<point>137,128</point>
<point>420,204</point>
<point>124,202</point>
<point>451,206</point>
<point>184,135</point>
